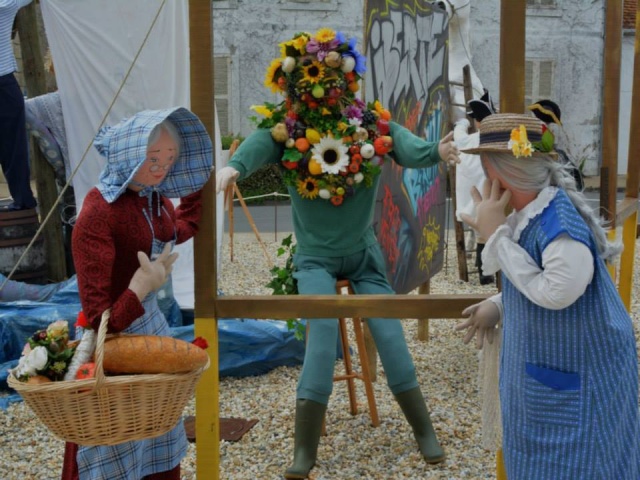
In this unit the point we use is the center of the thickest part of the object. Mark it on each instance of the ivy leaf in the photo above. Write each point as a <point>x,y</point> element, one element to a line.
<point>291,155</point>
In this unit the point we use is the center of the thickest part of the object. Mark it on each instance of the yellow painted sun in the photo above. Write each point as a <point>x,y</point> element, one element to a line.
<point>429,244</point>
<point>308,188</point>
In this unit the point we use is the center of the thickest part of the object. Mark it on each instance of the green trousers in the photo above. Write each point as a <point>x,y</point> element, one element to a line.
<point>365,269</point>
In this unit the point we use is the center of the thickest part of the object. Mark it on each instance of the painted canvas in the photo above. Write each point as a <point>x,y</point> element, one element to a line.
<point>406,48</point>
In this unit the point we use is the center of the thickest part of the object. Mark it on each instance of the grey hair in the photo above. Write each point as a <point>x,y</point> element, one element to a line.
<point>168,126</point>
<point>534,175</point>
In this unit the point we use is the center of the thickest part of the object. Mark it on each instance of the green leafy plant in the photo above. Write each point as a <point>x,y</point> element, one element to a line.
<point>227,140</point>
<point>283,283</point>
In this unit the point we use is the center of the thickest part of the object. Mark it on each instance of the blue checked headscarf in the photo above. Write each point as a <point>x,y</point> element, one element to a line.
<point>124,145</point>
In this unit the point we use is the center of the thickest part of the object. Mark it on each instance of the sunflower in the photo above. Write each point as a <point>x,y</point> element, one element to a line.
<point>270,80</point>
<point>298,43</point>
<point>331,154</point>
<point>308,188</point>
<point>325,35</point>
<point>312,72</point>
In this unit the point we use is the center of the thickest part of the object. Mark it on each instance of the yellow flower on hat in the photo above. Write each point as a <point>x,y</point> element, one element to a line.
<point>519,142</point>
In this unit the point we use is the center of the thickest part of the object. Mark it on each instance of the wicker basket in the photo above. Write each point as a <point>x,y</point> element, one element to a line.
<point>110,410</point>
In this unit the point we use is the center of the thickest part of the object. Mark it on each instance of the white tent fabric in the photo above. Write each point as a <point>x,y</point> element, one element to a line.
<point>93,45</point>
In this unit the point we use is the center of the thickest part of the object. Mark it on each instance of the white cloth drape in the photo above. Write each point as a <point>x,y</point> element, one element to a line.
<point>93,44</point>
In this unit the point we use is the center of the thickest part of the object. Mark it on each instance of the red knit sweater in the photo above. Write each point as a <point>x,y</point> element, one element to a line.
<point>105,242</point>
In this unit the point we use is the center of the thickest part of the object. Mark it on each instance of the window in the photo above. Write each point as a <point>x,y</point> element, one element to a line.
<point>221,82</point>
<point>541,3</point>
<point>538,80</point>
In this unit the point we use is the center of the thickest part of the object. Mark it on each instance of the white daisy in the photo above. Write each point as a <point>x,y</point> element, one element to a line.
<point>331,154</point>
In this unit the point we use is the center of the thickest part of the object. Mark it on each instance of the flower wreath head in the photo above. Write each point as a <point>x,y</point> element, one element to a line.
<point>334,142</point>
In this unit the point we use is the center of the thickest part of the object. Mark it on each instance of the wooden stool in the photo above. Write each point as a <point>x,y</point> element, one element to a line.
<point>350,375</point>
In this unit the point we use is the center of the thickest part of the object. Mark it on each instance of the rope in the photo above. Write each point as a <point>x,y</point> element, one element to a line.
<point>84,155</point>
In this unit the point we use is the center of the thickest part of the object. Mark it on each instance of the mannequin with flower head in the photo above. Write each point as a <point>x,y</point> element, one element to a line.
<point>330,146</point>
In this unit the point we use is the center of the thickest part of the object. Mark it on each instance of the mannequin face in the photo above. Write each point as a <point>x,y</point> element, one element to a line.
<point>161,155</point>
<point>519,198</point>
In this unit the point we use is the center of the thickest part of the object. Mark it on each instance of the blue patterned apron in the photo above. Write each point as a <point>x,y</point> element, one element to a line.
<point>137,459</point>
<point>568,377</point>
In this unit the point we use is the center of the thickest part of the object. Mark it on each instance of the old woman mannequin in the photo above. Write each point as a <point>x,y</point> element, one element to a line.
<point>568,370</point>
<point>121,248</point>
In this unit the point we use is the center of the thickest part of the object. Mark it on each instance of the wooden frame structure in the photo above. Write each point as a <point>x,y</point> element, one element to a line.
<point>209,307</point>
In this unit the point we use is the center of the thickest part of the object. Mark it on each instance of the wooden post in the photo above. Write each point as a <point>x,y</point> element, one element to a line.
<point>423,323</point>
<point>205,265</point>
<point>512,62</point>
<point>47,191</point>
<point>630,228</point>
<point>372,353</point>
<point>512,51</point>
<point>610,107</point>
<point>461,249</point>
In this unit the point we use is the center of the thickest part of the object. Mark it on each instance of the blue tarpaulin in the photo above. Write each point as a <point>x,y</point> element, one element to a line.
<point>246,347</point>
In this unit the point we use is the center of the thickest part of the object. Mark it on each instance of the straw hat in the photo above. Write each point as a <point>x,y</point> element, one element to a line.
<point>521,135</point>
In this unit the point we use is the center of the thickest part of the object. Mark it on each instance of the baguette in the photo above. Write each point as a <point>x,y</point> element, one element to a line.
<point>149,354</point>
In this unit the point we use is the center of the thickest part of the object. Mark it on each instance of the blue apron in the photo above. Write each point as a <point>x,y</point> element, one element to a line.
<point>137,459</point>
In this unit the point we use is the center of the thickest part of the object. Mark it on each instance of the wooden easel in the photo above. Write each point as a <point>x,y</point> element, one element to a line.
<point>461,249</point>
<point>231,191</point>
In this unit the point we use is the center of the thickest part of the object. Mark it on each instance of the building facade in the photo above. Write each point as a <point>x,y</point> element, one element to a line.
<point>564,59</point>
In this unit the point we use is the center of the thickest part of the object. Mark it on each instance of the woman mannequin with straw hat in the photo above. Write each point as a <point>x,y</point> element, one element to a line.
<point>568,370</point>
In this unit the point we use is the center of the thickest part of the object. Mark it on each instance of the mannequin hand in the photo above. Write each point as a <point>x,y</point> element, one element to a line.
<point>448,151</point>
<point>166,258</point>
<point>225,177</point>
<point>490,209</point>
<point>483,318</point>
<point>151,275</point>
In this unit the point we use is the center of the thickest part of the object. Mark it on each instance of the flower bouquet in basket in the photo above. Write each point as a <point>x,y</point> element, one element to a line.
<point>146,379</point>
<point>46,355</point>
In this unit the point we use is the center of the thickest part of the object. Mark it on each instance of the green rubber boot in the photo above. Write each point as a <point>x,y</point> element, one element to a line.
<point>415,410</point>
<point>309,417</point>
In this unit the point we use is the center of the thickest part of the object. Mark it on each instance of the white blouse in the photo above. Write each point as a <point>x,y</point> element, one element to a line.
<point>567,265</point>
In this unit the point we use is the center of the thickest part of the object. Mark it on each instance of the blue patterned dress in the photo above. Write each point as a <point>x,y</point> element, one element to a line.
<point>568,377</point>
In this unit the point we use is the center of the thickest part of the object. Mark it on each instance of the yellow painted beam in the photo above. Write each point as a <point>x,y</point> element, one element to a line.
<point>207,406</point>
<point>501,473</point>
<point>205,275</point>
<point>625,285</point>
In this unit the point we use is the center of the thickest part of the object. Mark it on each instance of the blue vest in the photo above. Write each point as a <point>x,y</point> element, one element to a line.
<point>568,377</point>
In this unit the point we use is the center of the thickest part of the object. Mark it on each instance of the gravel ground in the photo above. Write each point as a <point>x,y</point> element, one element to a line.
<point>352,449</point>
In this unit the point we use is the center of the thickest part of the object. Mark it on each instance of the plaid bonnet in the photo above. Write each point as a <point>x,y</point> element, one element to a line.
<point>124,145</point>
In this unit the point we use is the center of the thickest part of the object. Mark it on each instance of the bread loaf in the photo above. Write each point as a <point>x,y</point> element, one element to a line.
<point>151,354</point>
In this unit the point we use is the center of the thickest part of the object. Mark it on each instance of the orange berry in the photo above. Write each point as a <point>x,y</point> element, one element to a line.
<point>302,144</point>
<point>353,87</point>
